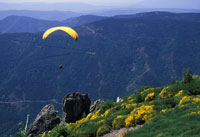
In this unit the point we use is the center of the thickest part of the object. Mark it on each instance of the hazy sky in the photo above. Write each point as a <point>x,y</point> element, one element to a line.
<point>102,2</point>
<point>189,4</point>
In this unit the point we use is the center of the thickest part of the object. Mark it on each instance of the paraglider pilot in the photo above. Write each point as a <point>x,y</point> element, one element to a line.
<point>60,66</point>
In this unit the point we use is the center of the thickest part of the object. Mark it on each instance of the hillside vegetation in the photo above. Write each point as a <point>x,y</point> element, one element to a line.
<point>172,110</point>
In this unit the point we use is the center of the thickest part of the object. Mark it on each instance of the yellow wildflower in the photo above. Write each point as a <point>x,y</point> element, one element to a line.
<point>196,100</point>
<point>106,113</point>
<point>120,116</point>
<point>193,113</point>
<point>97,112</point>
<point>185,98</point>
<point>143,112</point>
<point>129,121</point>
<point>179,93</point>
<point>163,111</point>
<point>146,90</point>
<point>130,105</point>
<point>150,96</point>
<point>102,130</point>
<point>43,134</point>
<point>102,122</point>
<point>132,100</point>
<point>166,93</point>
<point>94,116</point>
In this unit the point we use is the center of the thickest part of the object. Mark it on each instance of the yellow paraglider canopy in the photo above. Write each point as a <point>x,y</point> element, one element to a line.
<point>68,30</point>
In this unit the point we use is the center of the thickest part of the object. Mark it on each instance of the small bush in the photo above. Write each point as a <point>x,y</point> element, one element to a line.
<point>187,76</point>
<point>59,131</point>
<point>130,121</point>
<point>150,97</point>
<point>106,105</point>
<point>118,122</point>
<point>103,130</point>
<point>167,92</point>
<point>21,132</point>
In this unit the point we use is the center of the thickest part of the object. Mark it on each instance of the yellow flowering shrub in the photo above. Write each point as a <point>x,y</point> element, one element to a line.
<point>163,111</point>
<point>118,122</point>
<point>146,90</point>
<point>143,112</point>
<point>94,116</point>
<point>84,119</point>
<point>179,93</point>
<point>70,125</point>
<point>132,100</point>
<point>130,121</point>
<point>166,93</point>
<point>192,113</point>
<point>43,135</point>
<point>101,122</point>
<point>185,98</point>
<point>196,100</point>
<point>106,113</point>
<point>130,105</point>
<point>150,97</point>
<point>98,111</point>
<point>166,110</point>
<point>103,130</point>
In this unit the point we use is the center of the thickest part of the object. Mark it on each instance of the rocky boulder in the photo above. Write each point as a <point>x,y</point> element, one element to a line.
<point>96,105</point>
<point>75,105</point>
<point>46,120</point>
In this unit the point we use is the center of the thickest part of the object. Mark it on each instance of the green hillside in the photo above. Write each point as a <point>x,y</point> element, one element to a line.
<point>172,110</point>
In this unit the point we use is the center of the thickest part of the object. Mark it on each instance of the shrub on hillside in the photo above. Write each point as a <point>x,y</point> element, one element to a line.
<point>130,121</point>
<point>118,122</point>
<point>167,92</point>
<point>106,105</point>
<point>59,131</point>
<point>103,130</point>
<point>187,76</point>
<point>150,97</point>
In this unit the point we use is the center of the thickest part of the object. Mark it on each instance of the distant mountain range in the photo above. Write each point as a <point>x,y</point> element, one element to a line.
<point>55,15</point>
<point>19,24</point>
<point>44,15</point>
<point>113,57</point>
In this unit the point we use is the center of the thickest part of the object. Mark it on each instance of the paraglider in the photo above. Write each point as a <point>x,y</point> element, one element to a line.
<point>60,66</point>
<point>68,30</point>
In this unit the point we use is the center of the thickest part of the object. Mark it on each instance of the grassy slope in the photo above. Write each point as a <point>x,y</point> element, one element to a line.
<point>165,111</point>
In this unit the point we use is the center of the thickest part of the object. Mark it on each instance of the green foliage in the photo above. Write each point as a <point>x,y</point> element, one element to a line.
<point>106,105</point>
<point>187,76</point>
<point>118,122</point>
<point>138,98</point>
<point>160,116</point>
<point>58,131</point>
<point>192,88</point>
<point>21,132</point>
<point>177,122</point>
<point>103,130</point>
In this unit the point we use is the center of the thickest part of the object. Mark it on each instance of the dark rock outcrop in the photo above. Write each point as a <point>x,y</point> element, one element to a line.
<point>46,120</point>
<point>96,105</point>
<point>75,105</point>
